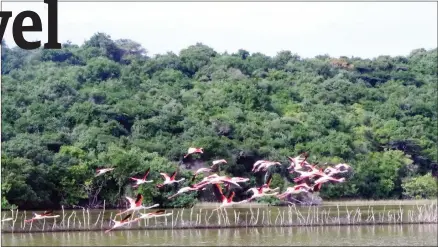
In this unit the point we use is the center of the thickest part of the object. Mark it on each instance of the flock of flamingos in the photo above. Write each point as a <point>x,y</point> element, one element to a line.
<point>298,164</point>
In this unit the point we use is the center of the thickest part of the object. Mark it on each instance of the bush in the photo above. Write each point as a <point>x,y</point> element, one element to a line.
<point>420,187</point>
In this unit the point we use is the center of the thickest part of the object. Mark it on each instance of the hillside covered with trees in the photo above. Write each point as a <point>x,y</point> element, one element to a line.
<point>67,112</point>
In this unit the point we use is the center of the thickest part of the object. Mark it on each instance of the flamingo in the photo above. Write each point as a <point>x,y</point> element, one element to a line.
<point>216,163</point>
<point>318,183</point>
<point>239,179</point>
<point>158,213</point>
<point>330,170</point>
<point>226,202</point>
<point>200,170</point>
<point>298,162</point>
<point>265,165</point>
<point>297,189</point>
<point>143,180</point>
<point>193,151</point>
<point>235,180</point>
<point>169,180</point>
<point>216,179</point>
<point>213,167</point>
<point>258,192</point>
<point>102,171</point>
<point>136,204</point>
<point>123,222</point>
<point>223,179</point>
<point>45,215</point>
<point>257,164</point>
<point>304,175</point>
<point>190,188</point>
<point>265,187</point>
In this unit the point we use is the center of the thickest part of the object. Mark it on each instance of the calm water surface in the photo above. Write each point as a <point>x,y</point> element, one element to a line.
<point>380,235</point>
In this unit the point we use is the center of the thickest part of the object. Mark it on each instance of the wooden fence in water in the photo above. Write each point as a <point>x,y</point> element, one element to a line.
<point>82,220</point>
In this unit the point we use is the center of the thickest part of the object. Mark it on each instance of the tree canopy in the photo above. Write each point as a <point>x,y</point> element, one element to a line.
<point>107,103</point>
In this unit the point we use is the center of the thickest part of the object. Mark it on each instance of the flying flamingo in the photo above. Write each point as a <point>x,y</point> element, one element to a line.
<point>222,179</point>
<point>195,187</point>
<point>239,179</point>
<point>136,204</point>
<point>213,167</point>
<point>324,179</point>
<point>257,164</point>
<point>298,162</point>
<point>307,175</point>
<point>192,150</point>
<point>158,213</point>
<point>265,187</point>
<point>330,170</point>
<point>169,180</point>
<point>226,202</point>
<point>216,163</point>
<point>297,189</point>
<point>45,215</point>
<point>265,165</point>
<point>235,180</point>
<point>102,171</point>
<point>143,180</point>
<point>123,222</point>
<point>258,192</point>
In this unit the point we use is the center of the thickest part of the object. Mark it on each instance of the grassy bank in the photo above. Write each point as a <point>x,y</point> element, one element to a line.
<point>254,215</point>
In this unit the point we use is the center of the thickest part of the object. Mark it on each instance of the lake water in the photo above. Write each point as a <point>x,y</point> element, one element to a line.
<point>369,235</point>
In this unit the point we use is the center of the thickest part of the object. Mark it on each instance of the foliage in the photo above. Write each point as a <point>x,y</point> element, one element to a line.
<point>106,103</point>
<point>420,187</point>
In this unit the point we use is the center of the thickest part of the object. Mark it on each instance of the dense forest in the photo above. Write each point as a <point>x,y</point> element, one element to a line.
<point>108,103</point>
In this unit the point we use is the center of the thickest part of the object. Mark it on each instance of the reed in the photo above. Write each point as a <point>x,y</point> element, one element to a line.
<point>291,215</point>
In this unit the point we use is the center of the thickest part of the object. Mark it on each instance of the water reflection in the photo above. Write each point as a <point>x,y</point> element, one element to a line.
<point>374,235</point>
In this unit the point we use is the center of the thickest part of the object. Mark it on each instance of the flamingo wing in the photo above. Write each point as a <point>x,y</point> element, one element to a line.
<point>147,173</point>
<point>130,200</point>
<point>47,213</point>
<point>125,219</point>
<point>215,162</point>
<point>231,182</point>
<point>173,176</point>
<point>139,200</point>
<point>161,211</point>
<point>317,187</point>
<point>166,177</point>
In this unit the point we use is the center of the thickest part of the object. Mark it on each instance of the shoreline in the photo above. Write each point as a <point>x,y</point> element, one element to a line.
<point>225,227</point>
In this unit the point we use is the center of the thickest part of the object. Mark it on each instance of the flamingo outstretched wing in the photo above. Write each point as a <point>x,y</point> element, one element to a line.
<point>147,173</point>
<point>126,218</point>
<point>47,213</point>
<point>130,200</point>
<point>139,200</point>
<point>173,176</point>
<point>166,177</point>
<point>229,182</point>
